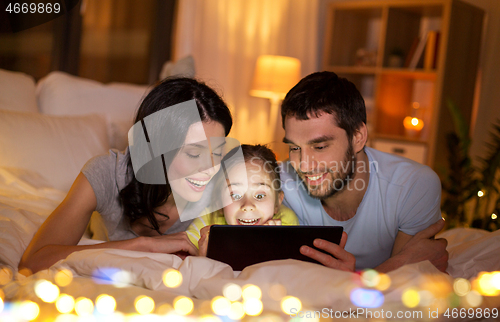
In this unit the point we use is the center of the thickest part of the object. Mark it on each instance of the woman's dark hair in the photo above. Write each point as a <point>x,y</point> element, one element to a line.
<point>325,92</point>
<point>140,199</point>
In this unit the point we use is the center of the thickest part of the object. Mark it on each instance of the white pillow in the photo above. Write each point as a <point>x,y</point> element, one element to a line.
<point>63,94</point>
<point>55,147</point>
<point>17,92</point>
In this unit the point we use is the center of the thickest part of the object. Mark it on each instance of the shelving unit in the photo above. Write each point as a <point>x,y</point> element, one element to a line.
<point>361,37</point>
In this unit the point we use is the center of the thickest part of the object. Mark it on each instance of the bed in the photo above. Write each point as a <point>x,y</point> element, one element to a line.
<point>63,117</point>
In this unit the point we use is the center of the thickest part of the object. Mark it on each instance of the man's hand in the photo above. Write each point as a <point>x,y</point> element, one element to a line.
<point>419,248</point>
<point>340,259</point>
<point>423,246</point>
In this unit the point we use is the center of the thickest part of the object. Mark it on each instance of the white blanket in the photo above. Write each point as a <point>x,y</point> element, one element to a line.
<point>25,202</point>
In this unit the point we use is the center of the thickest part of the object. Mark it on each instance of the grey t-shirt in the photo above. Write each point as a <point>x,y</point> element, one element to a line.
<point>108,175</point>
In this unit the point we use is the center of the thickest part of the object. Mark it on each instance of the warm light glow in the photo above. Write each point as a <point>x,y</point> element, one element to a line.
<point>172,278</point>
<point>274,76</point>
<point>63,277</point>
<point>494,216</point>
<point>290,302</point>
<point>144,304</point>
<point>253,306</point>
<point>5,275</point>
<point>370,277</point>
<point>486,285</point>
<point>29,310</point>
<point>495,280</point>
<point>473,298</point>
<point>66,318</point>
<point>251,291</point>
<point>237,311</point>
<point>183,305</point>
<point>480,193</point>
<point>232,292</point>
<point>105,304</point>
<point>384,282</point>
<point>413,123</point>
<point>221,305</point>
<point>164,309</point>
<point>1,305</point>
<point>410,298</point>
<point>277,292</point>
<point>65,303</point>
<point>46,291</point>
<point>461,286</point>
<point>209,318</point>
<point>84,306</point>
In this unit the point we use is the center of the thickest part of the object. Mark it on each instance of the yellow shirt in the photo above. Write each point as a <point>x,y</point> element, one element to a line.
<point>285,214</point>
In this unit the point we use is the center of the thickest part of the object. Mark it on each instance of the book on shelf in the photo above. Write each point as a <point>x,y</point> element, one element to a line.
<point>424,48</point>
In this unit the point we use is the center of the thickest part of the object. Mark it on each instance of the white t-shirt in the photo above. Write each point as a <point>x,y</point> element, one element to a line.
<point>402,195</point>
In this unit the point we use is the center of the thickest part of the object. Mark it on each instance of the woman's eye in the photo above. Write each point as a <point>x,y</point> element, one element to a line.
<point>260,196</point>
<point>192,156</point>
<point>235,196</point>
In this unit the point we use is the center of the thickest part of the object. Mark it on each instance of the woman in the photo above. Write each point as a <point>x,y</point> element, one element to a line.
<point>139,216</point>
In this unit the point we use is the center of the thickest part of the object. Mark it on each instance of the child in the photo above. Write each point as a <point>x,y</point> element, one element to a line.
<point>250,194</point>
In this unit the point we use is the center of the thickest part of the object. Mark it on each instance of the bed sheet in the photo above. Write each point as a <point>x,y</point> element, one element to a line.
<point>417,292</point>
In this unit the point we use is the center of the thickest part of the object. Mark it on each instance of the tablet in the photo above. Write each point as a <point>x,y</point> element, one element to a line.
<point>241,246</point>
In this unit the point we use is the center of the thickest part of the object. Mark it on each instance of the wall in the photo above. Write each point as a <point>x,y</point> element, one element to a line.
<point>487,107</point>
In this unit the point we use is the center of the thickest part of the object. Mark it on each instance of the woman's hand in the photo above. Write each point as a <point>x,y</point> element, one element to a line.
<point>203,242</point>
<point>177,244</point>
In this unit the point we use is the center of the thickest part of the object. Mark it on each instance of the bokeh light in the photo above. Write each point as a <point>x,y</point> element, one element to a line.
<point>144,304</point>
<point>65,303</point>
<point>221,305</point>
<point>494,216</point>
<point>121,278</point>
<point>84,306</point>
<point>172,278</point>
<point>232,291</point>
<point>370,278</point>
<point>253,306</point>
<point>480,193</point>
<point>29,310</point>
<point>486,284</point>
<point>6,275</point>
<point>209,318</point>
<point>183,305</point>
<point>237,311</point>
<point>46,291</point>
<point>290,302</point>
<point>410,298</point>
<point>251,291</point>
<point>63,278</point>
<point>1,305</point>
<point>277,292</point>
<point>461,286</point>
<point>66,318</point>
<point>384,282</point>
<point>105,304</point>
<point>164,309</point>
<point>473,298</point>
<point>495,280</point>
<point>366,298</point>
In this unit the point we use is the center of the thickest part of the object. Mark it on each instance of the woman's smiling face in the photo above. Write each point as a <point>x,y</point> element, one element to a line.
<point>250,198</point>
<point>197,161</point>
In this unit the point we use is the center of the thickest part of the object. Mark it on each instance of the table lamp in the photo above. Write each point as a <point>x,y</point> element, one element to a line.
<point>273,77</point>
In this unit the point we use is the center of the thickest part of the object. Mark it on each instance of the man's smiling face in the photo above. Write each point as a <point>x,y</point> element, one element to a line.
<point>321,153</point>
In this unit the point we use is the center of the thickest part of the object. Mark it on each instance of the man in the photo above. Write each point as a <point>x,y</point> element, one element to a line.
<point>389,206</point>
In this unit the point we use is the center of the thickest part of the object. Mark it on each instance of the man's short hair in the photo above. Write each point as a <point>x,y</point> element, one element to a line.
<point>325,92</point>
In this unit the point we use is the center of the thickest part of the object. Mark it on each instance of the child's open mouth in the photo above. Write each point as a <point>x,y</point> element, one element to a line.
<point>248,221</point>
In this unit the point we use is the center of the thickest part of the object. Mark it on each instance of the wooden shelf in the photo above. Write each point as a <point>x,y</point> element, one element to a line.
<point>369,32</point>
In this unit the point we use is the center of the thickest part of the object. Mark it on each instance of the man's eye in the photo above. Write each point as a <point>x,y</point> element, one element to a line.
<point>235,196</point>
<point>321,147</point>
<point>260,196</point>
<point>294,148</point>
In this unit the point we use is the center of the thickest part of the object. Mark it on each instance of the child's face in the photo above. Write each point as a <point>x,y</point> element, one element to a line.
<point>252,194</point>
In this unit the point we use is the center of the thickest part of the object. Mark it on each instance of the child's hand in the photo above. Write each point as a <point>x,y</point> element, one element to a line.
<point>203,242</point>
<point>273,222</point>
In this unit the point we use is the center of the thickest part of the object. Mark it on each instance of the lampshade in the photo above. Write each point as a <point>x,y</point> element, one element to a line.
<point>274,76</point>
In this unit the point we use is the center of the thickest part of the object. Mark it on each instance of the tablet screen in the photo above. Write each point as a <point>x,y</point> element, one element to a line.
<point>241,246</point>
